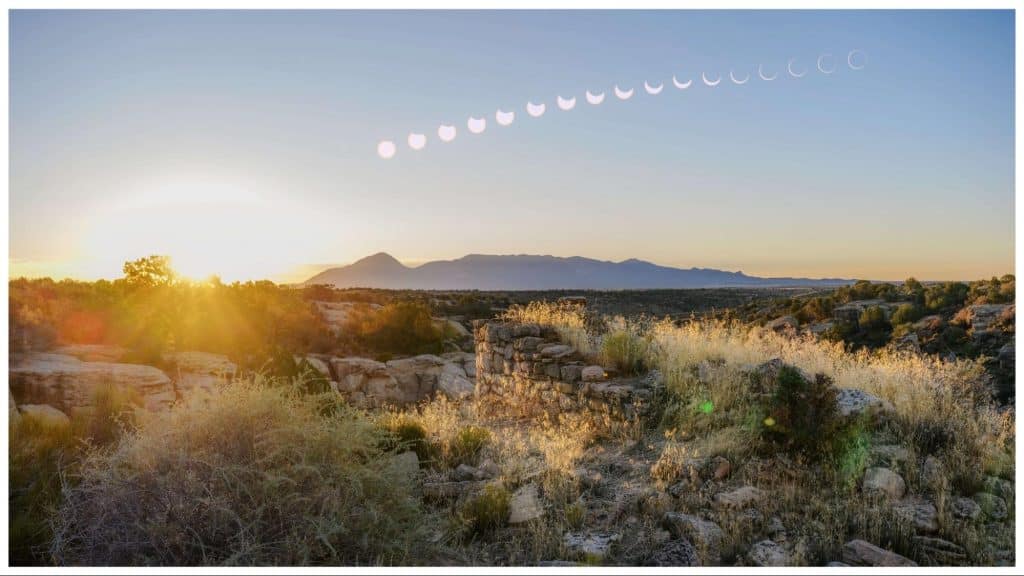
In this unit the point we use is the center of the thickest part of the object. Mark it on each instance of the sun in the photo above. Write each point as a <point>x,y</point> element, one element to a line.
<point>207,230</point>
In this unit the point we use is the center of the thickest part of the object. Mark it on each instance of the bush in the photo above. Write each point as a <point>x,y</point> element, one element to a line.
<point>801,414</point>
<point>467,444</point>
<point>873,318</point>
<point>624,348</point>
<point>251,475</point>
<point>487,511</point>
<point>906,314</point>
<point>398,328</point>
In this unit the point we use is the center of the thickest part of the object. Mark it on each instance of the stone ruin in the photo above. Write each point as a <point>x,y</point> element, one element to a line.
<point>526,370</point>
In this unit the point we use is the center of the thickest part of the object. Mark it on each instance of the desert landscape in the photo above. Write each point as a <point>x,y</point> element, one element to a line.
<point>577,291</point>
<point>865,425</point>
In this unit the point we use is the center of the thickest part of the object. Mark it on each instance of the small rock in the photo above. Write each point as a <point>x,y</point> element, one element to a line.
<point>592,374</point>
<point>593,546</point>
<point>920,513</point>
<point>674,553</point>
<point>852,403</point>
<point>890,455</point>
<point>993,506</point>
<point>966,508</point>
<point>739,498</point>
<point>783,324</point>
<point>885,481</point>
<point>525,505</point>
<point>705,534</point>
<point>999,487</point>
<point>767,553</point>
<point>488,469</point>
<point>465,472</point>
<point>861,553</point>
<point>939,552</point>
<point>556,351</point>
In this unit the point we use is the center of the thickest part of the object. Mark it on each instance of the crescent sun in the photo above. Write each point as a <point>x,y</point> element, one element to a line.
<point>535,110</point>
<point>822,68</point>
<point>504,118</point>
<point>622,94</point>
<point>789,67</point>
<point>566,104</point>
<point>653,90</point>
<point>710,82</point>
<point>849,59</point>
<point>681,85</point>
<point>736,80</point>
<point>760,72</point>
<point>594,99</point>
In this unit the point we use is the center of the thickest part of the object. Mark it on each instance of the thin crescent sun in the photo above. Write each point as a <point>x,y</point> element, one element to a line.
<point>710,82</point>
<point>653,90</point>
<point>594,98</point>
<point>822,68</point>
<point>681,85</point>
<point>736,80</point>
<point>622,94</point>
<point>849,59</point>
<point>789,67</point>
<point>760,72</point>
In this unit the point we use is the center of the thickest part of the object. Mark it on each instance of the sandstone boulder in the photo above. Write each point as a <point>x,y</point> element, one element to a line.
<point>966,509</point>
<point>65,382</point>
<point>593,546</point>
<point>453,383</point>
<point>783,324</point>
<point>919,513</point>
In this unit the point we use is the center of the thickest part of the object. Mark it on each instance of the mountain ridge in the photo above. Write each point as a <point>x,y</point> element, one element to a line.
<point>540,272</point>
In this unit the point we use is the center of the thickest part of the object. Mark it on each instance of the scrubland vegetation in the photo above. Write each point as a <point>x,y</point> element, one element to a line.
<point>276,469</point>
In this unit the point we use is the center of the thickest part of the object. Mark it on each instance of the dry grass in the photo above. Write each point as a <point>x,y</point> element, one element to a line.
<point>568,319</point>
<point>252,475</point>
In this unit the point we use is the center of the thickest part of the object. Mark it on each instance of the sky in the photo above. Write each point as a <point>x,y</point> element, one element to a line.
<point>245,143</point>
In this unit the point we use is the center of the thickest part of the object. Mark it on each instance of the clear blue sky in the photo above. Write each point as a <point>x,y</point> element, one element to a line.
<point>245,142</point>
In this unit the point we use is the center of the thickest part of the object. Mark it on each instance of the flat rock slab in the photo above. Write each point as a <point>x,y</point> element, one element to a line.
<point>592,545</point>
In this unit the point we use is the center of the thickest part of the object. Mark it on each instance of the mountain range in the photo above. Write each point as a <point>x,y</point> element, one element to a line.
<point>529,272</point>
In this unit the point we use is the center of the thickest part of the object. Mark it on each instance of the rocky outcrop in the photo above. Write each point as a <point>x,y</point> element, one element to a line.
<point>45,415</point>
<point>853,403</point>
<point>884,481</point>
<point>783,324</point>
<point>66,383</point>
<point>337,314</point>
<point>368,383</point>
<point>984,319</point>
<point>851,311</point>
<point>525,369</point>
<point>193,370</point>
<point>525,505</point>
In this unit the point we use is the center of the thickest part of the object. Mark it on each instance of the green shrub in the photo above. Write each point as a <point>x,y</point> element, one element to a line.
<point>801,414</point>
<point>467,444</point>
<point>111,414</point>
<point>403,327</point>
<point>872,318</point>
<point>250,475</point>
<point>906,314</point>
<point>487,511</point>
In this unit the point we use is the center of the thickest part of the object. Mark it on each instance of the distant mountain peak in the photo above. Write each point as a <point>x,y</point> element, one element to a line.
<point>538,272</point>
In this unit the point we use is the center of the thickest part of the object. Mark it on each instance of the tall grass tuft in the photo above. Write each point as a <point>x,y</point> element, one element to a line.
<point>568,319</point>
<point>250,475</point>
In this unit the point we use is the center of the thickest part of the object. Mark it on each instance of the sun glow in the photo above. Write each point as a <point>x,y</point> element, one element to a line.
<point>206,229</point>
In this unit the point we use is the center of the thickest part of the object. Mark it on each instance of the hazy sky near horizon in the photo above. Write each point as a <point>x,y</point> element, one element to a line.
<point>244,143</point>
